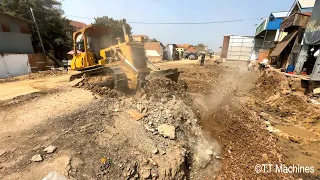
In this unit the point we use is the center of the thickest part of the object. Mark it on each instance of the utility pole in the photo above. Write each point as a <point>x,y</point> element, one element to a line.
<point>34,19</point>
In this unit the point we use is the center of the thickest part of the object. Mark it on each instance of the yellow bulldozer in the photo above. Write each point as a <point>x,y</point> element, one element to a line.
<point>118,64</point>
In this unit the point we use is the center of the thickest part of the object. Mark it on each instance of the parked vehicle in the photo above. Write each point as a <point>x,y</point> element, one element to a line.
<point>191,56</point>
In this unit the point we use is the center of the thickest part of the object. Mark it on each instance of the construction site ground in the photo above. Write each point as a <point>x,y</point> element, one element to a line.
<point>226,120</point>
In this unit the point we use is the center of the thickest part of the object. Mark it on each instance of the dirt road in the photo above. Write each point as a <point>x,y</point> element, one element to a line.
<point>13,89</point>
<point>226,122</point>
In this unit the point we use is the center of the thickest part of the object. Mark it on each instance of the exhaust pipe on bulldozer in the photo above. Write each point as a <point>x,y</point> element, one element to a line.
<point>126,36</point>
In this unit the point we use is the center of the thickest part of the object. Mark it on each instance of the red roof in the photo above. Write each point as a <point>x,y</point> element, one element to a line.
<point>77,24</point>
<point>179,46</point>
<point>192,49</point>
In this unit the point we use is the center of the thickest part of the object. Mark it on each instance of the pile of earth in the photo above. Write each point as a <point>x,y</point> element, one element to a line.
<point>285,101</point>
<point>162,87</point>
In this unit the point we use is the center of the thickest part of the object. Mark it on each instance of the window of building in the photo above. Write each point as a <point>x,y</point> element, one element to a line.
<point>14,27</point>
<point>5,27</point>
<point>24,29</point>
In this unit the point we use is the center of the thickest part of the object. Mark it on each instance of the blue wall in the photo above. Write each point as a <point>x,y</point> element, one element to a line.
<point>274,24</point>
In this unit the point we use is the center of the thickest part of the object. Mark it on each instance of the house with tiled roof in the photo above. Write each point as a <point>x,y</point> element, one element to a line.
<point>192,49</point>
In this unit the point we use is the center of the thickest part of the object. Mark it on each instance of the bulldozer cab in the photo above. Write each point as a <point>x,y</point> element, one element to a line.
<point>89,41</point>
<point>98,47</point>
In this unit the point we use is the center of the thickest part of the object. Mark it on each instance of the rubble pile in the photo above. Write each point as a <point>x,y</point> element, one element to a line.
<point>168,117</point>
<point>164,87</point>
<point>172,145</point>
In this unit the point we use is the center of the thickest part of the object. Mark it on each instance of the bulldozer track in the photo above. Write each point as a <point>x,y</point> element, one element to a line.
<point>120,79</point>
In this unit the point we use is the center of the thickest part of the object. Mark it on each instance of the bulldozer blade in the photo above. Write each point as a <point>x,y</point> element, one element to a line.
<point>172,74</point>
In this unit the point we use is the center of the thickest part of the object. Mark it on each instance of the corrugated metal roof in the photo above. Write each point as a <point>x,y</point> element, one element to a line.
<point>283,44</point>
<point>306,3</point>
<point>279,14</point>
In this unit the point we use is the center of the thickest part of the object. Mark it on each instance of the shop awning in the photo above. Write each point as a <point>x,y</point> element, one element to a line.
<point>283,44</point>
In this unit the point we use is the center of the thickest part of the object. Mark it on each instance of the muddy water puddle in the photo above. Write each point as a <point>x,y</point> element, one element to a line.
<point>295,131</point>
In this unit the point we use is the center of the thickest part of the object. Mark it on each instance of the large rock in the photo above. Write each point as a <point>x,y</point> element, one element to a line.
<point>50,149</point>
<point>167,131</point>
<point>55,176</point>
<point>145,172</point>
<point>36,158</point>
<point>76,82</point>
<point>316,91</point>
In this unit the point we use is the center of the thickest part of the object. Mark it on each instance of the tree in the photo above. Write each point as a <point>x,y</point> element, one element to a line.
<point>55,30</point>
<point>201,47</point>
<point>114,25</point>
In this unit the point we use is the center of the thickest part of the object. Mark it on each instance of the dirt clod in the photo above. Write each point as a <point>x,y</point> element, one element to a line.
<point>50,149</point>
<point>36,158</point>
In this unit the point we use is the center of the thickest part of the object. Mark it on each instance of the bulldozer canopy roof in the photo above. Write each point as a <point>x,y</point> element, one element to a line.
<point>97,30</point>
<point>94,30</point>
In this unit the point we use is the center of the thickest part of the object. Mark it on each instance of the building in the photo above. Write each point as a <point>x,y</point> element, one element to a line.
<point>303,6</point>
<point>157,46</point>
<point>140,38</point>
<point>307,61</point>
<point>237,47</point>
<point>268,32</point>
<point>16,51</point>
<point>171,51</point>
<point>154,50</point>
<point>286,51</point>
<point>180,50</point>
<point>15,34</point>
<point>186,46</point>
<point>192,49</point>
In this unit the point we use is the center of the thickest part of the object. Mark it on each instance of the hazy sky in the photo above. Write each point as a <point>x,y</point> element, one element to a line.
<point>180,11</point>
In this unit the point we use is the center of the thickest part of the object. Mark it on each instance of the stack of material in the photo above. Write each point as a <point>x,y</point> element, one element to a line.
<point>153,56</point>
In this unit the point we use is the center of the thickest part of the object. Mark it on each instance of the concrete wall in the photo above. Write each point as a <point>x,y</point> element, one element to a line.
<point>14,41</point>
<point>154,46</point>
<point>13,65</point>
<point>316,11</point>
<point>20,64</point>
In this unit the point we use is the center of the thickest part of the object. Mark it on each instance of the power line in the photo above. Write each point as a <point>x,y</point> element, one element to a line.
<point>180,23</point>
<point>210,22</point>
<point>79,17</point>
